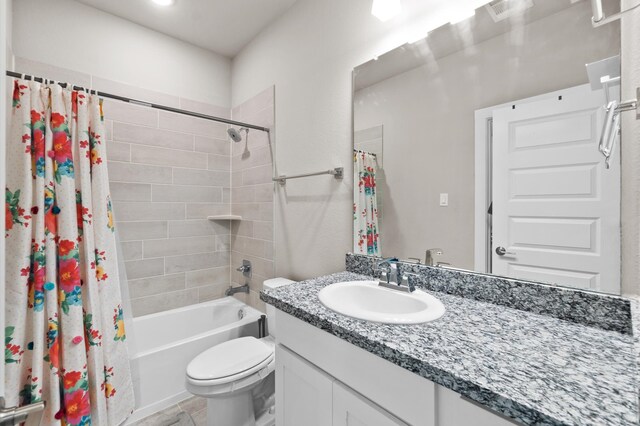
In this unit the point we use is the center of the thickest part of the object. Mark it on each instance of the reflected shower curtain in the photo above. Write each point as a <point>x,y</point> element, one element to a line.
<point>65,337</point>
<point>366,239</point>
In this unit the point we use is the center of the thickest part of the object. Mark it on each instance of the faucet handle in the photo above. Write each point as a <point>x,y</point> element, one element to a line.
<point>407,282</point>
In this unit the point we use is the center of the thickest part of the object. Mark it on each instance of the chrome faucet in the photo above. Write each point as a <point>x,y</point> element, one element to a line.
<point>430,256</point>
<point>245,268</point>
<point>390,275</point>
<point>233,290</point>
<point>392,278</point>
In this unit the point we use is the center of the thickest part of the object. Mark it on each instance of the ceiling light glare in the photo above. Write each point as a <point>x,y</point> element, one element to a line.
<point>164,2</point>
<point>413,39</point>
<point>462,15</point>
<point>386,9</point>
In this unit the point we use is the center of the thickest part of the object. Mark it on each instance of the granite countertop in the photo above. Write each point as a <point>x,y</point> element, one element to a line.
<point>532,368</point>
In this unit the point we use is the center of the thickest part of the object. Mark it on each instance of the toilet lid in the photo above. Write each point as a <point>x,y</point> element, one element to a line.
<point>229,358</point>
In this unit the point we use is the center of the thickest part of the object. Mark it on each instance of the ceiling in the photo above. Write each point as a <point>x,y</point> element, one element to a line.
<point>222,26</point>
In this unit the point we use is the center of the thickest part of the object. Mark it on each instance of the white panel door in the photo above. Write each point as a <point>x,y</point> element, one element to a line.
<point>303,392</point>
<point>352,409</point>
<point>556,208</point>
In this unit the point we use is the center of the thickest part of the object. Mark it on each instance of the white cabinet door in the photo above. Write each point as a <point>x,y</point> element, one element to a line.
<point>303,392</point>
<point>352,409</point>
<point>453,410</point>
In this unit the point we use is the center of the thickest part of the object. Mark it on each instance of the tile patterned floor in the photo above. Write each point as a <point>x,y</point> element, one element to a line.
<point>195,406</point>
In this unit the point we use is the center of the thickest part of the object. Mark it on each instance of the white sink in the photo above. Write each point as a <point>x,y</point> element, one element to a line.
<point>368,301</point>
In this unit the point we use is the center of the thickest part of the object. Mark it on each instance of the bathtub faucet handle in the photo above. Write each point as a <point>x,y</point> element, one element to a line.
<point>245,268</point>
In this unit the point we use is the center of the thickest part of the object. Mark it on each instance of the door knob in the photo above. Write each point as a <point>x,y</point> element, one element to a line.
<point>501,251</point>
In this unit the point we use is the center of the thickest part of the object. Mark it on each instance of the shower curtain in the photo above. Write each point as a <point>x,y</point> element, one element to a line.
<point>65,338</point>
<point>366,239</point>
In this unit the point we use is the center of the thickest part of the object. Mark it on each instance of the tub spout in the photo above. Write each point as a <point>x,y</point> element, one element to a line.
<point>233,290</point>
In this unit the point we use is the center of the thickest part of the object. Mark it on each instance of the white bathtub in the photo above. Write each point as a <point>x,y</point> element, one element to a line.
<point>163,344</point>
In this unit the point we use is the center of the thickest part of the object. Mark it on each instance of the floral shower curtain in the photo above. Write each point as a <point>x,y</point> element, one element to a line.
<point>65,337</point>
<point>366,239</point>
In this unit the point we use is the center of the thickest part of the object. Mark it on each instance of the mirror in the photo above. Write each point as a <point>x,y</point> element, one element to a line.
<point>481,141</point>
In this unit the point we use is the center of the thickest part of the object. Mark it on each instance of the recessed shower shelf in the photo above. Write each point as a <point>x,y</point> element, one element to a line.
<point>225,217</point>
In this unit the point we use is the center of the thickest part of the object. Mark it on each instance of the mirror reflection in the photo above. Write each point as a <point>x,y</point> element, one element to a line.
<point>477,147</point>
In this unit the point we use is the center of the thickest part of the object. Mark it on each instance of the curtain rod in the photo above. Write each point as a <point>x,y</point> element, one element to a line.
<point>147,104</point>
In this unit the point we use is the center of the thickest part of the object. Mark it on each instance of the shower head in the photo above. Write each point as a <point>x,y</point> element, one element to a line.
<point>235,134</point>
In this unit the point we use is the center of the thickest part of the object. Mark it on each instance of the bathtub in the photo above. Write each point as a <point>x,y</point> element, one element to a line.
<point>162,345</point>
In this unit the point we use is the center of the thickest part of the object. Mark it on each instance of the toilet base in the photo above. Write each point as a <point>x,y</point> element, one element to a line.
<point>237,410</point>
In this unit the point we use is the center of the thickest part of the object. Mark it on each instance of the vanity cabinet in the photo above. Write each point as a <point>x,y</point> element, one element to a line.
<point>307,396</point>
<point>322,380</point>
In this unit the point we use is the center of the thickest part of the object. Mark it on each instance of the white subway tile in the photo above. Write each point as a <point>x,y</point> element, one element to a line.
<point>185,193</point>
<point>129,113</point>
<point>213,146</point>
<point>134,92</point>
<point>144,268</point>
<point>210,276</point>
<point>257,175</point>
<point>129,231</point>
<point>264,192</point>
<point>179,246</point>
<point>204,108</point>
<point>163,302</point>
<point>263,230</point>
<point>127,172</point>
<point>156,285</point>
<point>125,191</point>
<point>219,162</point>
<point>118,151</point>
<point>194,262</point>
<point>140,135</point>
<point>129,211</point>
<point>167,157</point>
<point>203,210</point>
<point>198,227</point>
<point>193,125</point>
<point>131,250</point>
<point>201,177</point>
<point>243,194</point>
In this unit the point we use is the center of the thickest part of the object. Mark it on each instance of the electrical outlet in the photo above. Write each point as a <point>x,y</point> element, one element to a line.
<point>444,199</point>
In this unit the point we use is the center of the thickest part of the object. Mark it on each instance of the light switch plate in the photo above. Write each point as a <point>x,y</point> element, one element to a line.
<point>444,199</point>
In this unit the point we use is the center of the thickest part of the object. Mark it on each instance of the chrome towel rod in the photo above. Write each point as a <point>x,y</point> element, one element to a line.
<point>337,173</point>
<point>599,18</point>
<point>147,104</point>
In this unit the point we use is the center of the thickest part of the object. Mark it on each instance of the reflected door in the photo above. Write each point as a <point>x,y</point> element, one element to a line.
<point>556,208</point>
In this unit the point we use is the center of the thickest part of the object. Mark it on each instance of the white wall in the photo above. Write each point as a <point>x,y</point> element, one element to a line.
<point>308,54</point>
<point>630,154</point>
<point>74,36</point>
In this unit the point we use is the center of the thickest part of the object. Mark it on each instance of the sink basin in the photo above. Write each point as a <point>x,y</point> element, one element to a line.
<point>368,301</point>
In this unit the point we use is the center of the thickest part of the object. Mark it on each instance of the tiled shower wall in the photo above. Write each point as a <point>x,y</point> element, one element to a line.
<point>252,195</point>
<point>167,173</point>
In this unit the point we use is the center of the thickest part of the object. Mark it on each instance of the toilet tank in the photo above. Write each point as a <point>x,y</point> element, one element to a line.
<point>271,311</point>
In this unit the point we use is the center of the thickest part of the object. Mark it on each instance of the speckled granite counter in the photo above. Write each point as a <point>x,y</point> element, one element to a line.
<point>533,368</point>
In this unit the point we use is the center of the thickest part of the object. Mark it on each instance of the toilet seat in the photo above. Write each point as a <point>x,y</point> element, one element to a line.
<point>231,366</point>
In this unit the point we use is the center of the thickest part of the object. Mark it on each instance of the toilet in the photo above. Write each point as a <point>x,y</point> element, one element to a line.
<point>237,376</point>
